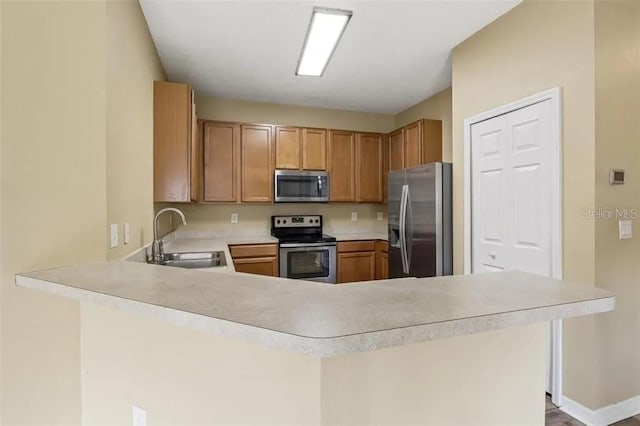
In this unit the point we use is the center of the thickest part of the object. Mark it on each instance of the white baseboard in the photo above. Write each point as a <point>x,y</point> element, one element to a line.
<point>602,416</point>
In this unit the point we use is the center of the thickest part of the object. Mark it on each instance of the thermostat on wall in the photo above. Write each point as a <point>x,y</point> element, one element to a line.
<point>616,176</point>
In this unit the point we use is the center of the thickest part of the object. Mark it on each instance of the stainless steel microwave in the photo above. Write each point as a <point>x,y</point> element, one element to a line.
<point>296,186</point>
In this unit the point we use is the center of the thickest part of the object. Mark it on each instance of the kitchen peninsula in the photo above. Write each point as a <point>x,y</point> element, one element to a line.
<point>226,347</point>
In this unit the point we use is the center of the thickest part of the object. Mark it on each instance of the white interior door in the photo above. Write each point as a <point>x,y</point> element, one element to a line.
<point>511,193</point>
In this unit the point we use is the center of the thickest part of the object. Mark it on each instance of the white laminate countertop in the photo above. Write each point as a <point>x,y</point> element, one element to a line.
<point>320,319</point>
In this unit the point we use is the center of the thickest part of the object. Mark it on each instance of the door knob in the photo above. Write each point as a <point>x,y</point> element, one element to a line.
<point>492,254</point>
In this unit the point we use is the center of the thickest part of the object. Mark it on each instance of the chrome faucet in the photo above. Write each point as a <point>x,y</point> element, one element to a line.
<point>157,248</point>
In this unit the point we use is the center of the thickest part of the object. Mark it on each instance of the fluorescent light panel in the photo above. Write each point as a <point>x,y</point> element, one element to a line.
<point>325,29</point>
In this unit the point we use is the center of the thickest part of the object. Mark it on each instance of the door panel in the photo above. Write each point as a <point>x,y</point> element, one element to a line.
<point>342,166</point>
<point>257,164</point>
<point>511,191</point>
<point>287,147</point>
<point>221,161</point>
<point>314,149</point>
<point>396,180</point>
<point>421,221</point>
<point>369,168</point>
<point>396,150</point>
<point>413,144</point>
<point>489,194</point>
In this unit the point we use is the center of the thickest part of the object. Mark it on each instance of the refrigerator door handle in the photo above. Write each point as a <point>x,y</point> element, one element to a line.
<point>403,228</point>
<point>408,225</point>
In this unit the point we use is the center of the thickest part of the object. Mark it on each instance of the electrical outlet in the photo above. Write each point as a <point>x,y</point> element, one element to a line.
<point>234,217</point>
<point>139,417</point>
<point>380,216</point>
<point>114,235</point>
<point>126,234</point>
<point>354,216</point>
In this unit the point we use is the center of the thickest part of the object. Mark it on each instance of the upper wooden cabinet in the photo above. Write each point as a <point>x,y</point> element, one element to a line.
<point>417,143</point>
<point>342,159</point>
<point>288,152</point>
<point>413,144</point>
<point>176,162</point>
<point>300,148</point>
<point>314,149</point>
<point>396,150</point>
<point>257,163</point>
<point>221,152</point>
<point>385,168</point>
<point>369,167</point>
<point>431,141</point>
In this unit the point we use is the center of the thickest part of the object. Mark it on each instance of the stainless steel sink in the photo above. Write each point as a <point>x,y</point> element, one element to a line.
<point>195,260</point>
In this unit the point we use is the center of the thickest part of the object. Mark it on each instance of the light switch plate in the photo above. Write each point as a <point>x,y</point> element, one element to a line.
<point>114,235</point>
<point>625,229</point>
<point>380,216</point>
<point>139,417</point>
<point>234,217</point>
<point>126,234</point>
<point>354,216</point>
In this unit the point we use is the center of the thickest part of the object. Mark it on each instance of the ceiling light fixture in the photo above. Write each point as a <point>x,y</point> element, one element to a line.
<point>324,33</point>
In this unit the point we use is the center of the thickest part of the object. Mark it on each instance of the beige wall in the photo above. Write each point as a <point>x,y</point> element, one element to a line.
<point>437,107</point>
<point>617,44</point>
<point>255,219</point>
<point>76,132</point>
<point>188,377</point>
<point>53,195</point>
<point>536,46</point>
<point>294,115</point>
<point>132,65</point>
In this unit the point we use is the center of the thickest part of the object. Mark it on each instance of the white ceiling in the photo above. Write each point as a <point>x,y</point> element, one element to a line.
<point>392,55</point>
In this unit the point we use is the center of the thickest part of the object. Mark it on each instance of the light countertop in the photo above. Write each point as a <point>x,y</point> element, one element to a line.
<point>320,319</point>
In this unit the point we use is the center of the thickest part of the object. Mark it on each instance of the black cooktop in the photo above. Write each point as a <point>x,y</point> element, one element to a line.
<point>305,239</point>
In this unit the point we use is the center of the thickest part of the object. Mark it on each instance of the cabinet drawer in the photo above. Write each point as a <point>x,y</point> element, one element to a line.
<point>350,246</point>
<point>382,245</point>
<point>253,250</point>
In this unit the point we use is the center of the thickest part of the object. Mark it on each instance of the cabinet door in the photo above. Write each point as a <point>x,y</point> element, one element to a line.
<point>382,260</point>
<point>413,144</point>
<point>431,141</point>
<point>396,150</point>
<point>256,164</point>
<point>342,166</point>
<point>287,147</point>
<point>257,265</point>
<point>369,167</point>
<point>356,266</point>
<point>385,266</point>
<point>195,153</point>
<point>314,149</point>
<point>172,131</point>
<point>385,169</point>
<point>221,151</point>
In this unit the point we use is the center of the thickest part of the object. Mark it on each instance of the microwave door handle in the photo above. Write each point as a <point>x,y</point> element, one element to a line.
<point>319,184</point>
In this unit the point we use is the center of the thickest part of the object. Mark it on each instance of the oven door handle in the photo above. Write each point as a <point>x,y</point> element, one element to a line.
<point>305,245</point>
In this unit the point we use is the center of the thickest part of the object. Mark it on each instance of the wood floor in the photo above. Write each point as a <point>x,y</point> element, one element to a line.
<point>555,417</point>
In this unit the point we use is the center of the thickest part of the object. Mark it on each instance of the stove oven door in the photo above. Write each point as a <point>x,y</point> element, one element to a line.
<point>308,261</point>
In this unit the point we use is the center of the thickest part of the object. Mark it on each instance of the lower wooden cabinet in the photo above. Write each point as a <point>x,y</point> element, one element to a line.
<point>356,261</point>
<point>260,259</point>
<point>257,265</point>
<point>382,260</point>
<point>366,260</point>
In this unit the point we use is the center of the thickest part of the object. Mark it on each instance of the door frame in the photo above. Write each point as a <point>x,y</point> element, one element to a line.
<point>555,96</point>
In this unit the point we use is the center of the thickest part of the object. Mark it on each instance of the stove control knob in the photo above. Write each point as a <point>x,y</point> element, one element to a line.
<point>278,221</point>
<point>317,220</point>
<point>284,221</point>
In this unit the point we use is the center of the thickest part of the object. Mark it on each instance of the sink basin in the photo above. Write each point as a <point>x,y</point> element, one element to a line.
<point>210,259</point>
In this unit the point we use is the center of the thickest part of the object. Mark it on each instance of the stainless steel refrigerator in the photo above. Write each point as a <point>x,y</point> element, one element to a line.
<point>420,229</point>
